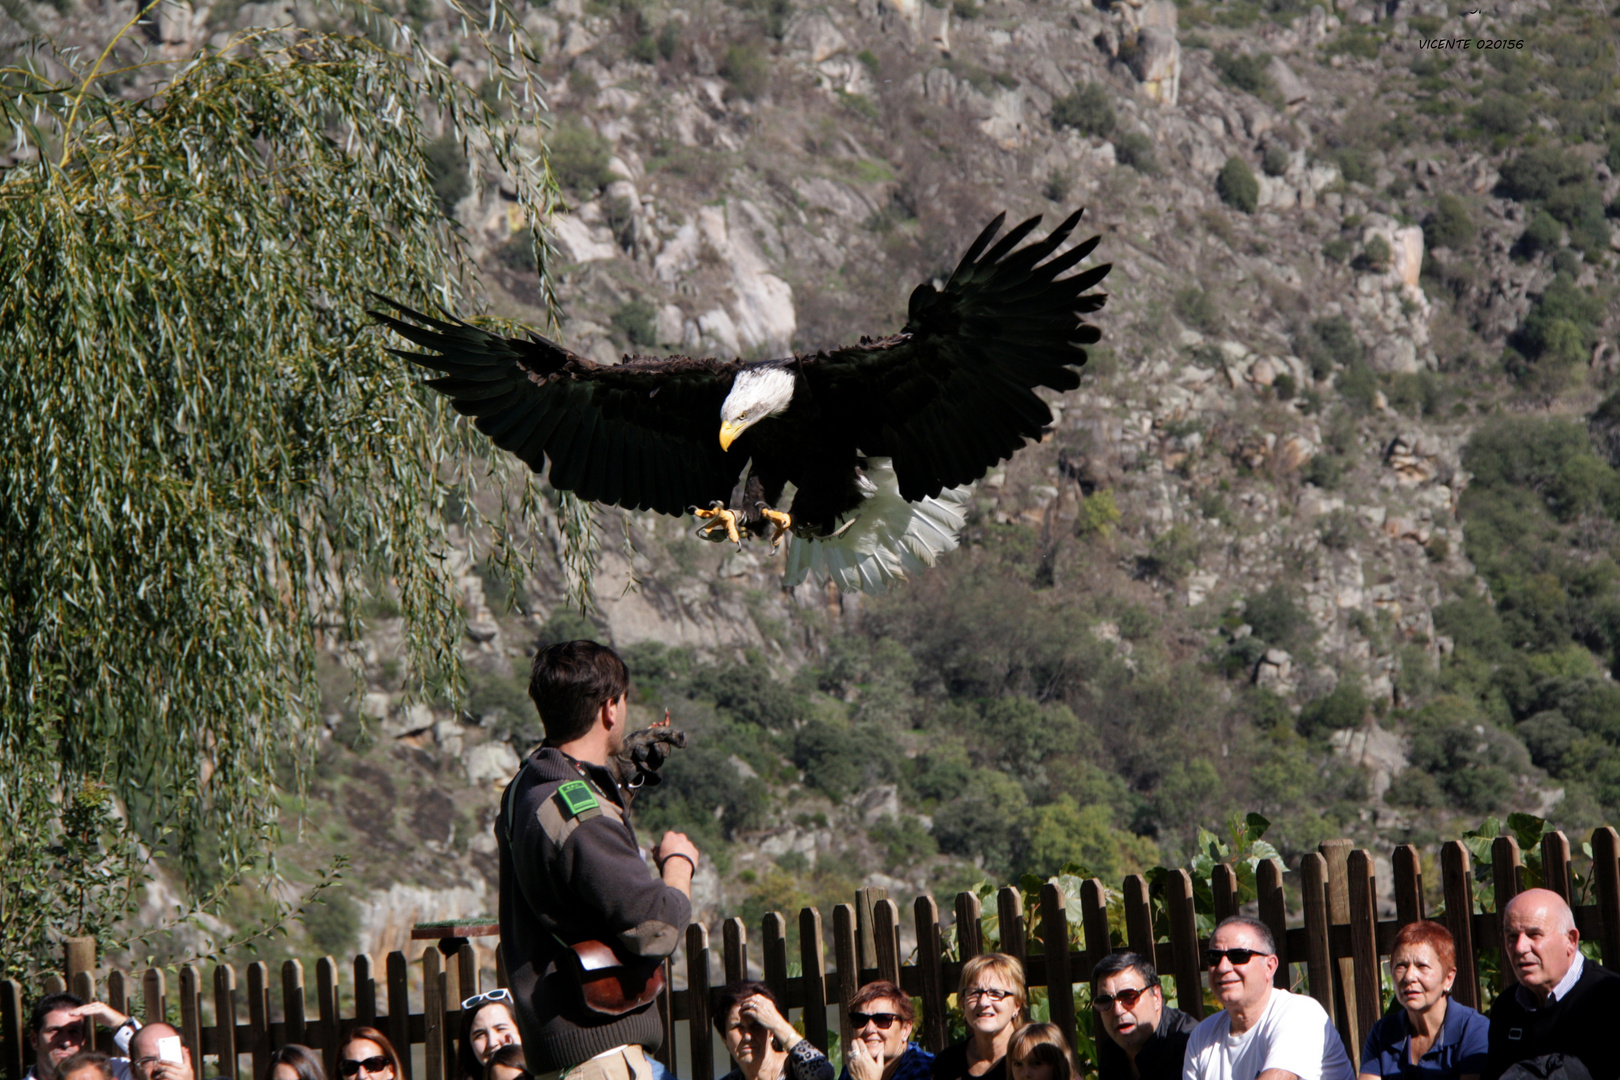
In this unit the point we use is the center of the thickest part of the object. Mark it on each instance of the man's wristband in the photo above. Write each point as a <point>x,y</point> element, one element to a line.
<point>679,855</point>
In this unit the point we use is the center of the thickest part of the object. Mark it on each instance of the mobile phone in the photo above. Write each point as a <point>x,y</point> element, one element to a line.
<point>169,1049</point>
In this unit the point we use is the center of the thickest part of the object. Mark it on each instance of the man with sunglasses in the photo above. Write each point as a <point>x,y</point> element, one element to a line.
<point>1146,1039</point>
<point>1261,1033</point>
<point>881,1020</point>
<point>572,875</point>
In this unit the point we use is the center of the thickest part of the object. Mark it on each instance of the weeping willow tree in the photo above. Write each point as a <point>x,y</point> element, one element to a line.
<point>206,454</point>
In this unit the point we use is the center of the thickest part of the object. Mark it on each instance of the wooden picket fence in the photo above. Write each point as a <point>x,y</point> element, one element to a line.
<point>1337,951</point>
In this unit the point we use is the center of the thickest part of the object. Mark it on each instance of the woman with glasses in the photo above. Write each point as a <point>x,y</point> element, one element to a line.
<point>295,1062</point>
<point>368,1055</point>
<point>1429,1036</point>
<point>761,1041</point>
<point>488,1023</point>
<point>881,1021</point>
<point>992,996</point>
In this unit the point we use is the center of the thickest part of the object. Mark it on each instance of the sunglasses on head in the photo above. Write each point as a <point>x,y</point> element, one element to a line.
<point>372,1065</point>
<point>1127,998</point>
<point>881,1021</point>
<point>1239,957</point>
<point>480,1000</point>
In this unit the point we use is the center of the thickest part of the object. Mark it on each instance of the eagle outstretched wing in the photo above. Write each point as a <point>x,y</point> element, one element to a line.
<point>954,392</point>
<point>640,434</point>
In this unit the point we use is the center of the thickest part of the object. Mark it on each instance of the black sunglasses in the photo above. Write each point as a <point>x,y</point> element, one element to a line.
<point>1239,957</point>
<point>372,1065</point>
<point>1127,998</point>
<point>881,1021</point>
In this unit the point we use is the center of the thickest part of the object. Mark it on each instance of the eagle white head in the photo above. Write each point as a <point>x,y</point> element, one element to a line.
<point>756,393</point>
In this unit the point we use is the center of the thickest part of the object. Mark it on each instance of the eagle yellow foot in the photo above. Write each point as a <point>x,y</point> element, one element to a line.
<point>783,524</point>
<point>720,522</point>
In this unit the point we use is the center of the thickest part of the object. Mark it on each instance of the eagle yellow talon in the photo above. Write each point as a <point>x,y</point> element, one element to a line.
<point>783,524</point>
<point>723,520</point>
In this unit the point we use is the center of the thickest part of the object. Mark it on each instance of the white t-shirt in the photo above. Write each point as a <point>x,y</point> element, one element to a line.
<point>1294,1033</point>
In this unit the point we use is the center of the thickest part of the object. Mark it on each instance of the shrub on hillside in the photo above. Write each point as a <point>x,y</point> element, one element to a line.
<point>1344,708</point>
<point>1330,343</point>
<point>1086,109</point>
<point>1450,226</point>
<point>579,158</point>
<point>1237,185</point>
<point>1543,234</point>
<point>1274,160</point>
<point>1538,172</point>
<point>1198,309</point>
<point>1500,114</point>
<point>1376,255</point>
<point>1277,619</point>
<point>1244,71</point>
<point>447,169</point>
<point>746,69</point>
<point>637,320</point>
<point>1136,150</point>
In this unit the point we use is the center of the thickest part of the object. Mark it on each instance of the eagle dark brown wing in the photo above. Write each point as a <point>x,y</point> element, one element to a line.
<point>641,434</point>
<point>954,392</point>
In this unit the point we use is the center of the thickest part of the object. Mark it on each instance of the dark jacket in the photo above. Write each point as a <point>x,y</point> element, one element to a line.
<point>951,1063</point>
<point>1159,1059</point>
<point>575,874</point>
<point>1582,1026</point>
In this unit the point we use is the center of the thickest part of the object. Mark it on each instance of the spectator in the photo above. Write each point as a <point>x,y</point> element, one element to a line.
<point>506,1062</point>
<point>881,1019</point>
<point>1563,1004</point>
<point>572,877</point>
<point>1039,1052</point>
<point>295,1062</point>
<point>1261,1033</point>
<point>761,1041</point>
<point>86,1065</point>
<point>488,1022</point>
<point>368,1055</point>
<point>58,1028</point>
<point>1430,1034</point>
<point>158,1053</point>
<point>992,996</point>
<point>1146,1038</point>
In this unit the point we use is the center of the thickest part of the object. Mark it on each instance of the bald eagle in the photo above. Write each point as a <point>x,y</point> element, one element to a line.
<point>877,439</point>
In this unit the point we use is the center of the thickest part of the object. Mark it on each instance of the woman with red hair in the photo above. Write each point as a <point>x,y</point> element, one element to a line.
<point>1431,1037</point>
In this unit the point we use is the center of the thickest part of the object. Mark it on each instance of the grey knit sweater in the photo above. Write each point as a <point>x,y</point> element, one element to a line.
<point>577,877</point>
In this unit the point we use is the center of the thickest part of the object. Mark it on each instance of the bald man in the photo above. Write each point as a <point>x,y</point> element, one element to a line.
<point>1563,1003</point>
<point>158,1053</point>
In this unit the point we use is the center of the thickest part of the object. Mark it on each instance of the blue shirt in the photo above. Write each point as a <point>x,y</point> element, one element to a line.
<point>915,1064</point>
<point>1461,1047</point>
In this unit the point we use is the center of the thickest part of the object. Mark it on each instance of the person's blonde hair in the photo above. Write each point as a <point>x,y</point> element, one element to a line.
<point>1001,964</point>
<point>1045,1045</point>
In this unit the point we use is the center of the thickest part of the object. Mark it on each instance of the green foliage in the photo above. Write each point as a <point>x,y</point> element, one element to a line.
<point>1376,255</point>
<point>1328,344</point>
<point>1543,234</point>
<point>447,171</point>
<point>1136,150</point>
<point>1237,185</point>
<point>333,923</point>
<point>241,457</point>
<point>1277,618</point>
<point>1087,109</point>
<point>1541,170</point>
<point>1501,114</point>
<point>669,40</point>
<point>1198,309</point>
<point>1246,71</point>
<point>578,158</point>
<point>842,760</point>
<point>1476,765</point>
<point>1098,514</point>
<point>1344,707</point>
<point>904,840</point>
<point>1451,225</point>
<point>1355,165</point>
<point>1241,848</point>
<point>1059,182</point>
<point>746,68</point>
<point>637,320</point>
<point>1274,160</point>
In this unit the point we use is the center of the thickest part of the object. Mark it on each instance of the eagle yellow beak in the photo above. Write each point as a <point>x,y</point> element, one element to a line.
<point>729,432</point>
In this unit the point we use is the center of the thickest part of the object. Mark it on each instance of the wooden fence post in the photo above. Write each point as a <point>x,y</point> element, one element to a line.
<point>11,1023</point>
<point>1337,854</point>
<point>1408,869</point>
<point>734,943</point>
<point>847,958</point>
<point>930,965</point>
<point>326,1001</point>
<point>1555,865</point>
<point>773,942</point>
<point>432,1015</point>
<point>225,1020</point>
<point>365,993</point>
<point>865,900</point>
<point>1010,914</point>
<point>258,994</point>
<point>1606,876</point>
<point>1274,913</point>
<point>1139,919</point>
<point>813,961</point>
<point>79,966</point>
<point>1184,944</point>
<point>399,1005</point>
<point>1507,873</point>
<point>1055,949</point>
<point>886,939</point>
<point>697,996</point>
<point>1094,922</point>
<point>666,1020</point>
<point>154,997</point>
<point>83,986</point>
<point>117,992</point>
<point>1363,948</point>
<point>1318,956</point>
<point>191,1012</point>
<point>969,931</point>
<point>1457,882</point>
<point>1223,884</point>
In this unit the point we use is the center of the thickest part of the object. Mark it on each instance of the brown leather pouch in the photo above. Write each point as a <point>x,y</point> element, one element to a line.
<point>611,986</point>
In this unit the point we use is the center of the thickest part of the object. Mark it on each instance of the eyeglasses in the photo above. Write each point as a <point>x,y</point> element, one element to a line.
<point>991,993</point>
<point>881,1021</point>
<point>372,1065</point>
<point>1239,957</point>
<point>479,1000</point>
<point>145,1063</point>
<point>1127,998</point>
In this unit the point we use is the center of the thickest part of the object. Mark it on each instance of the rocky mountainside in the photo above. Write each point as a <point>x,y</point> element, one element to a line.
<point>1264,558</point>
